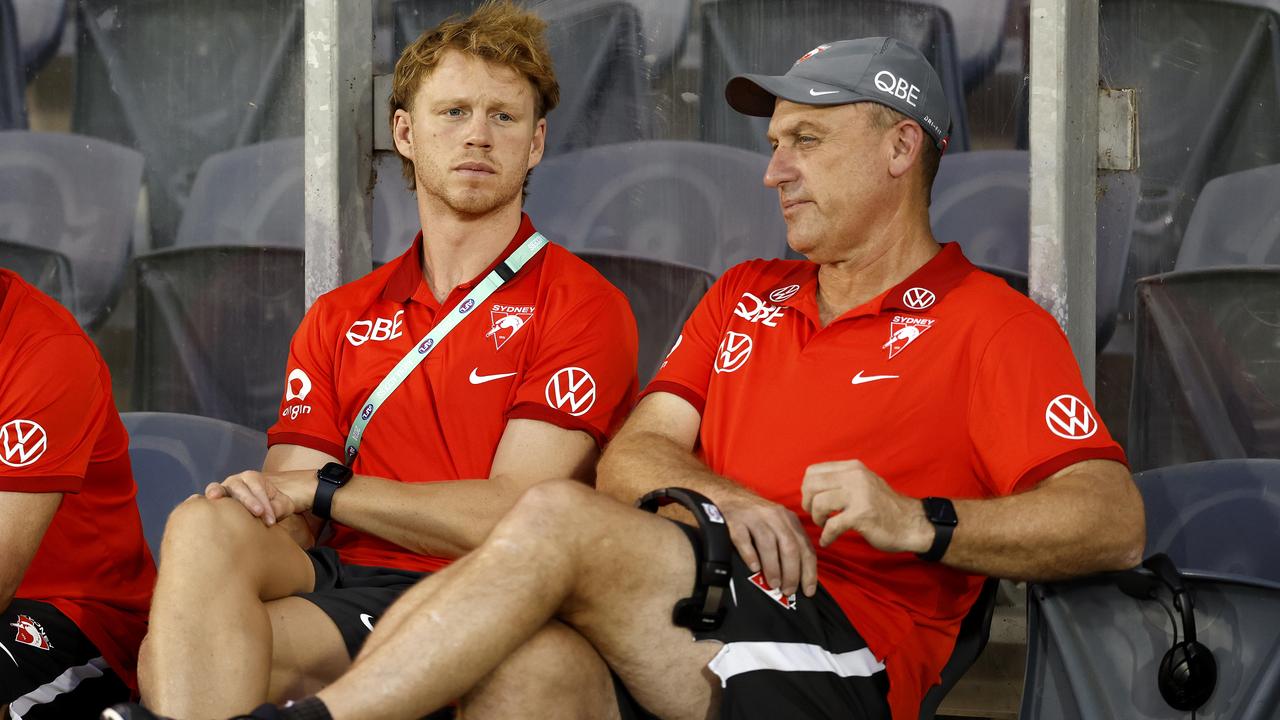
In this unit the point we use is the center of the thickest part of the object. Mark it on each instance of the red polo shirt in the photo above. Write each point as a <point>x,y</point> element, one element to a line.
<point>60,432</point>
<point>950,384</point>
<point>556,343</point>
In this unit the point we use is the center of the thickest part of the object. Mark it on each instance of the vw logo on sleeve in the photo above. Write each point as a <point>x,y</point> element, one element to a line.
<point>1069,418</point>
<point>22,442</point>
<point>572,390</point>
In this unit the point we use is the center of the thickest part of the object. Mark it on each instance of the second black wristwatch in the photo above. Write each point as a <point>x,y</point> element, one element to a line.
<point>332,477</point>
<point>942,514</point>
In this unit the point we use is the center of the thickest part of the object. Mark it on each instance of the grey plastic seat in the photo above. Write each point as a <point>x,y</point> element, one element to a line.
<point>240,243</point>
<point>975,630</point>
<point>1209,73</point>
<point>1207,361</point>
<point>213,330</point>
<point>764,36</point>
<point>662,296</point>
<point>77,196</point>
<point>598,51</point>
<point>1093,652</point>
<point>1235,223</point>
<point>48,270</point>
<point>175,456</point>
<point>981,200</point>
<point>698,204</point>
<point>980,29</point>
<point>40,28</point>
<point>181,81</point>
<point>250,196</point>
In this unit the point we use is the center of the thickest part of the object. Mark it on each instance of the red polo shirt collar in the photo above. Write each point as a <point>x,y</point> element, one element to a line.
<point>406,280</point>
<point>919,292</point>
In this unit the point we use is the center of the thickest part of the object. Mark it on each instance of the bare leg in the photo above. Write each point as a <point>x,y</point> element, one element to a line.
<point>307,650</point>
<point>209,648</point>
<point>556,675</point>
<point>610,572</point>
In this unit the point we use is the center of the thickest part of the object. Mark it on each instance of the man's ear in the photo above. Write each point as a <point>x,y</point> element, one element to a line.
<point>538,145</point>
<point>907,140</point>
<point>402,132</point>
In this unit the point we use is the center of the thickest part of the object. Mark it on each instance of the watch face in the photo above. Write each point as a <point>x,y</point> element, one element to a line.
<point>335,473</point>
<point>940,511</point>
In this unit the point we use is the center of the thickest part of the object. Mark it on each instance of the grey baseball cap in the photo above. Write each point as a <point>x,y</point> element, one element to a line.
<point>878,69</point>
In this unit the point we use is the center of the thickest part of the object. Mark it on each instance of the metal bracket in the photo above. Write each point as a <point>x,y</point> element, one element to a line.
<point>1117,129</point>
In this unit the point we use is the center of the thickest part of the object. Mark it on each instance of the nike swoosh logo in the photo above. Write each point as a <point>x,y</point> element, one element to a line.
<point>477,379</point>
<point>816,93</point>
<point>860,378</point>
<point>11,657</point>
<point>367,619</point>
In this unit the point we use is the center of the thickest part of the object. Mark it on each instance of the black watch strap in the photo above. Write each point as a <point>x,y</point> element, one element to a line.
<point>942,514</point>
<point>331,477</point>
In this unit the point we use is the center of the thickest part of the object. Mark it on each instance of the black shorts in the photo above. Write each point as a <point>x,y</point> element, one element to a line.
<point>355,596</point>
<point>787,658</point>
<point>49,669</point>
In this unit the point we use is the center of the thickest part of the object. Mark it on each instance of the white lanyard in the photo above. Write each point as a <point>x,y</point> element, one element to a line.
<point>504,271</point>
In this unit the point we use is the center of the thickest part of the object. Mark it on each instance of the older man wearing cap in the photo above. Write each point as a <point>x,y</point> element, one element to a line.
<point>913,418</point>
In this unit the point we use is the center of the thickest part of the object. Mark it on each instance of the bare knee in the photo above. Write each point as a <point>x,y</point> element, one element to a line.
<point>551,513</point>
<point>201,521</point>
<point>556,673</point>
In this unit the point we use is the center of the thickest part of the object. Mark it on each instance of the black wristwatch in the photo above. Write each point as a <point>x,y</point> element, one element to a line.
<point>942,514</point>
<point>332,476</point>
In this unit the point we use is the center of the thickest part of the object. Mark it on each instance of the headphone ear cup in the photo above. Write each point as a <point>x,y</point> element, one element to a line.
<point>1188,673</point>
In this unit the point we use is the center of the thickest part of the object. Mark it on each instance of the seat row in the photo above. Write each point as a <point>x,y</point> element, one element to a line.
<point>1093,649</point>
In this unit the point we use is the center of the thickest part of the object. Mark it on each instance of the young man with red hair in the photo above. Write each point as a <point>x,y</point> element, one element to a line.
<point>422,400</point>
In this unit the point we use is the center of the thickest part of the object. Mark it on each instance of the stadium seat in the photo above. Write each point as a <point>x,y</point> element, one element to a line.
<point>1206,382</point>
<point>241,244</point>
<point>972,640</point>
<point>213,330</point>
<point>249,196</point>
<point>48,270</point>
<point>693,203</point>
<point>1208,74</point>
<point>1093,651</point>
<point>981,200</point>
<point>980,29</point>
<point>76,196</point>
<point>175,456</point>
<point>662,296</point>
<point>13,84</point>
<point>181,81</point>
<point>765,36</point>
<point>40,28</point>
<point>598,52</point>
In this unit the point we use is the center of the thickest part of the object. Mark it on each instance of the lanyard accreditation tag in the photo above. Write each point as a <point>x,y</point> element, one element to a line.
<point>504,271</point>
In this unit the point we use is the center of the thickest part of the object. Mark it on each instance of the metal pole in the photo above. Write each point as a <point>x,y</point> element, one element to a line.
<point>1064,147</point>
<point>337,141</point>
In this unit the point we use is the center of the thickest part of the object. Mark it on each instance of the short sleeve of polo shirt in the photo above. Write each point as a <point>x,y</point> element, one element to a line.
<point>1029,413</point>
<point>51,412</point>
<point>583,373</point>
<point>309,410</point>
<point>687,370</point>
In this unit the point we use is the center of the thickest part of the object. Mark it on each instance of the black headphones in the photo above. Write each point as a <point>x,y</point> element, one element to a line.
<point>703,610</point>
<point>1188,672</point>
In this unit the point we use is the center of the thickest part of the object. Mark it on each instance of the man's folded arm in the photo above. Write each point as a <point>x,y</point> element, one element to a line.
<point>655,450</point>
<point>1085,518</point>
